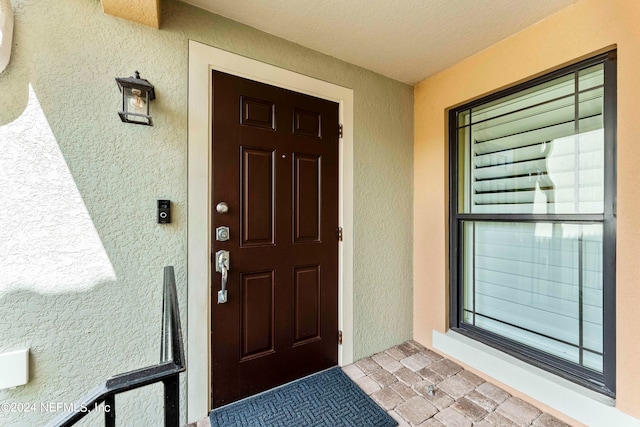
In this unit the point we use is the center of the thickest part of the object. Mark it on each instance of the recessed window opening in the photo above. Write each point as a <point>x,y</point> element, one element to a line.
<point>533,221</point>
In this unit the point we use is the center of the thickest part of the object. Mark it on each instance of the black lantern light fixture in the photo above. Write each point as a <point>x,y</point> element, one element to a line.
<point>136,94</point>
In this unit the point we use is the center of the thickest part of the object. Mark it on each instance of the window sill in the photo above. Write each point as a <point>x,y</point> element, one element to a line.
<point>577,402</point>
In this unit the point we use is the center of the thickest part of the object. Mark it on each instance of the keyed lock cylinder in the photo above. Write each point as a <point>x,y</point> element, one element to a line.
<point>222,234</point>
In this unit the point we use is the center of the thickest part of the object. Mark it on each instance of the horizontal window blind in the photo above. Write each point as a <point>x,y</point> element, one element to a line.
<point>537,152</point>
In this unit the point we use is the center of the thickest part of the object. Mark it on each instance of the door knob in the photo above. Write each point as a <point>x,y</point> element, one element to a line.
<point>222,208</point>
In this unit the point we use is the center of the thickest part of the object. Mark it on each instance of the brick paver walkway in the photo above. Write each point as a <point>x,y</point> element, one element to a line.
<point>418,387</point>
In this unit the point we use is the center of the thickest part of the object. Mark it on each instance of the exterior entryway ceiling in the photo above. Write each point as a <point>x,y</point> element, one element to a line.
<point>407,41</point>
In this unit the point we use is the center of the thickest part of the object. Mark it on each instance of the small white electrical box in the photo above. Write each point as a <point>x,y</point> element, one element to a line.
<point>14,368</point>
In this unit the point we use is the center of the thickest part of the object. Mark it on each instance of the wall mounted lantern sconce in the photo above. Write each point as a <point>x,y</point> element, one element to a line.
<point>136,94</point>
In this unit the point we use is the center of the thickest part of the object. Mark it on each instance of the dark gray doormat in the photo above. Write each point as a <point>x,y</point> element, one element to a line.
<point>328,398</point>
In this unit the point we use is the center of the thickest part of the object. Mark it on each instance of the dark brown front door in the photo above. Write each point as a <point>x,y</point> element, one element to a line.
<point>275,165</point>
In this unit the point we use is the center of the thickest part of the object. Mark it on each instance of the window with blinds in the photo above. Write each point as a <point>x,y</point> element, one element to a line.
<point>533,193</point>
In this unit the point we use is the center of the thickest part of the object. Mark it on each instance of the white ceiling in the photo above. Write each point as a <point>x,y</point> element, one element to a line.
<point>407,40</point>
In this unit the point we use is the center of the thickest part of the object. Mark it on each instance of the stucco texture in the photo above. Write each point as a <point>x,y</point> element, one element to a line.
<point>81,252</point>
<point>576,32</point>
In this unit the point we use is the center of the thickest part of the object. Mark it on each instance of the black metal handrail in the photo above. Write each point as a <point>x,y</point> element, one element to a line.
<point>172,363</point>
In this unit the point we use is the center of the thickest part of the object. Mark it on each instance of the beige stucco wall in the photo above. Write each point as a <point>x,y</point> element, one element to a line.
<point>81,255</point>
<point>575,32</point>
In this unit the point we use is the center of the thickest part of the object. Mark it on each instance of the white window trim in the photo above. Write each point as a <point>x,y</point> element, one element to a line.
<point>202,60</point>
<point>577,402</point>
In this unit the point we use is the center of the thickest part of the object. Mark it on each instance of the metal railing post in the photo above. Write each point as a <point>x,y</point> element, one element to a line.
<point>110,414</point>
<point>171,402</point>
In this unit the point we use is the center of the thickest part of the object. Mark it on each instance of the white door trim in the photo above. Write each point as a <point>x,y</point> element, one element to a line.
<point>202,60</point>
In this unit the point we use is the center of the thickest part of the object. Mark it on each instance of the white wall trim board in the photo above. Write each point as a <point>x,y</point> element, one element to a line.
<point>577,402</point>
<point>202,60</point>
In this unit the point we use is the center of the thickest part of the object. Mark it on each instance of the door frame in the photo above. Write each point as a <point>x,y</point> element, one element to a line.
<point>203,59</point>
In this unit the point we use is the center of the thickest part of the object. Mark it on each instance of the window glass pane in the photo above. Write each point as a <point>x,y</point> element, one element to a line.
<point>469,297</point>
<point>464,160</point>
<point>539,284</point>
<point>535,95</point>
<point>523,127</point>
<point>593,361</point>
<point>591,77</point>
<point>542,159</point>
<point>464,118</point>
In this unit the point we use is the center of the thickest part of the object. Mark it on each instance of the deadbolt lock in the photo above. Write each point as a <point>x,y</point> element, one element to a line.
<point>222,234</point>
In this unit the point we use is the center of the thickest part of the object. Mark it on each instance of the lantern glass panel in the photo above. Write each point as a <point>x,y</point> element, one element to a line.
<point>135,102</point>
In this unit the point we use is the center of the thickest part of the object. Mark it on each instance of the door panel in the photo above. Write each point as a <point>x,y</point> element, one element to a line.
<point>257,314</point>
<point>307,198</point>
<point>275,163</point>
<point>306,304</point>
<point>307,123</point>
<point>258,113</point>
<point>257,190</point>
